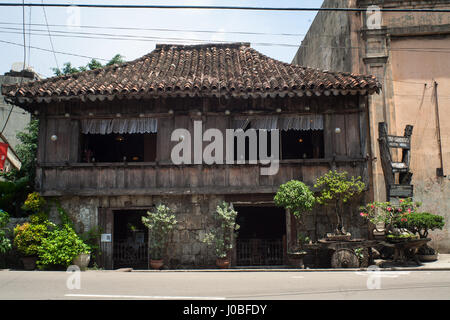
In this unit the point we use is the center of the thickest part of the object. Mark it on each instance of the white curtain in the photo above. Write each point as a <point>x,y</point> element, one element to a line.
<point>303,122</point>
<point>107,126</point>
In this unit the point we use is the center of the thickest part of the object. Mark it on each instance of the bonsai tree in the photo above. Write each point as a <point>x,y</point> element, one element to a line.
<point>335,189</point>
<point>297,198</point>
<point>222,235</point>
<point>160,224</point>
<point>420,222</point>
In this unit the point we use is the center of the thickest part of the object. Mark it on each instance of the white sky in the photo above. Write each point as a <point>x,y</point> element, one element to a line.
<point>220,21</point>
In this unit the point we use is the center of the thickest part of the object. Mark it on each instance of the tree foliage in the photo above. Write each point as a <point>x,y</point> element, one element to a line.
<point>160,223</point>
<point>92,65</point>
<point>295,196</point>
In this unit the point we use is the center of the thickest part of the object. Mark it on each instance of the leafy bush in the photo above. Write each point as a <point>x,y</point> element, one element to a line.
<point>12,196</point>
<point>336,189</point>
<point>222,235</point>
<point>295,196</point>
<point>28,237</point>
<point>420,222</point>
<point>160,223</point>
<point>60,247</point>
<point>34,203</point>
<point>5,243</point>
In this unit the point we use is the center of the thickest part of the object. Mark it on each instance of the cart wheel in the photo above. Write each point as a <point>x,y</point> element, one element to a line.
<point>344,258</point>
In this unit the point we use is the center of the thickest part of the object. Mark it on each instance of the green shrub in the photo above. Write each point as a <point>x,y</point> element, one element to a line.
<point>295,196</point>
<point>5,243</point>
<point>420,222</point>
<point>60,247</point>
<point>28,237</point>
<point>160,223</point>
<point>222,235</point>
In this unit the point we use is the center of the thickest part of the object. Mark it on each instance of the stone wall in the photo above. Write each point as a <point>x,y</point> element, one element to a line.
<point>193,213</point>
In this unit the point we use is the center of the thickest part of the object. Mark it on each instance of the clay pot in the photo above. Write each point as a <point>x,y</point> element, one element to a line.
<point>82,260</point>
<point>223,263</point>
<point>156,264</point>
<point>29,263</point>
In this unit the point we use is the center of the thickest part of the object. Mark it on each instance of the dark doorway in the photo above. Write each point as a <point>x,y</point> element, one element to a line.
<point>130,240</point>
<point>262,236</point>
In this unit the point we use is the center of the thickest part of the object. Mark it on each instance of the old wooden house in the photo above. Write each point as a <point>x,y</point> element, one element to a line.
<point>105,146</point>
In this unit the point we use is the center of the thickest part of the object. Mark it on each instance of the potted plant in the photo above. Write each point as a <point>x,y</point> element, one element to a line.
<point>392,216</point>
<point>421,223</point>
<point>160,224</point>
<point>335,189</point>
<point>61,248</point>
<point>27,239</point>
<point>223,234</point>
<point>297,198</point>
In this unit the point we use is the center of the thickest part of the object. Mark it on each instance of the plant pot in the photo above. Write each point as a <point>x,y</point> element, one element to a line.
<point>428,257</point>
<point>82,260</point>
<point>296,259</point>
<point>223,263</point>
<point>338,237</point>
<point>156,264</point>
<point>29,263</point>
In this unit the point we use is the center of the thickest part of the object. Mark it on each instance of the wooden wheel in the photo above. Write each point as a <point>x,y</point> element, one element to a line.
<point>344,258</point>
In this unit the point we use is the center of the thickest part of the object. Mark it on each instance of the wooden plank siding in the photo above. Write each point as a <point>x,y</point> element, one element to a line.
<point>88,179</point>
<point>60,171</point>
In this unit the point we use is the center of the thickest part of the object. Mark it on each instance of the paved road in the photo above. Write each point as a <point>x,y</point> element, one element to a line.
<point>210,285</point>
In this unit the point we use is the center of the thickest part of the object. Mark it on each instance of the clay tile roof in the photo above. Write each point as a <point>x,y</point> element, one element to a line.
<point>234,69</point>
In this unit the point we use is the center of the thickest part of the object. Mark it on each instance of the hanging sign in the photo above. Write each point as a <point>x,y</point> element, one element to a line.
<point>3,153</point>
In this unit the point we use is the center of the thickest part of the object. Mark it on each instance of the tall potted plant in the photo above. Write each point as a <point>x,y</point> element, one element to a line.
<point>297,198</point>
<point>160,224</point>
<point>336,189</point>
<point>222,235</point>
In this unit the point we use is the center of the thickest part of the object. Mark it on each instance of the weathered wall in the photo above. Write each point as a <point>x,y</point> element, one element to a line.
<point>327,45</point>
<point>193,213</point>
<point>19,118</point>
<point>415,101</point>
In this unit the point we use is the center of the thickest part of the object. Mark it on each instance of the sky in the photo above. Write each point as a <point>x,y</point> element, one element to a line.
<point>276,34</point>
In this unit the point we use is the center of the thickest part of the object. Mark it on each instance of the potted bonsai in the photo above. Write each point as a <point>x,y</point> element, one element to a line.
<point>297,198</point>
<point>336,189</point>
<point>160,224</point>
<point>222,235</point>
<point>421,223</point>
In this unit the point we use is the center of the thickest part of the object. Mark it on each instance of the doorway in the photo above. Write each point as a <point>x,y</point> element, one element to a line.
<point>261,239</point>
<point>130,240</point>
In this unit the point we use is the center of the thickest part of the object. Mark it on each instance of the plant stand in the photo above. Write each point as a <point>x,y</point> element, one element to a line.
<point>402,246</point>
<point>343,255</point>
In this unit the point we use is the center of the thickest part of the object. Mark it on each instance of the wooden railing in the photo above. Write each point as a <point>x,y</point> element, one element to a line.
<point>138,179</point>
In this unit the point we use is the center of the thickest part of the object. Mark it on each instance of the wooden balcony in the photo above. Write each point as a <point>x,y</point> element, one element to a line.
<point>145,178</point>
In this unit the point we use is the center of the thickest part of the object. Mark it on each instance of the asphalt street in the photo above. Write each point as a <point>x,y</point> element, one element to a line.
<point>217,285</point>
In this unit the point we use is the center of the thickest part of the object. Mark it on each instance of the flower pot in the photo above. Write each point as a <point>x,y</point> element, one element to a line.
<point>29,263</point>
<point>82,260</point>
<point>223,263</point>
<point>428,257</point>
<point>296,259</point>
<point>156,264</point>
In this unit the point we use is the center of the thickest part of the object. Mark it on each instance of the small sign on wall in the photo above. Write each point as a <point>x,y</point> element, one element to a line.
<point>106,237</point>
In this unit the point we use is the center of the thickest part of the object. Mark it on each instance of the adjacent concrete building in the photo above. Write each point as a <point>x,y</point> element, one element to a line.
<point>409,53</point>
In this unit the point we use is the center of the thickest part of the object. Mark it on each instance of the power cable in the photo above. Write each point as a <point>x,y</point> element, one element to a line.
<point>129,37</point>
<point>50,36</point>
<point>191,7</point>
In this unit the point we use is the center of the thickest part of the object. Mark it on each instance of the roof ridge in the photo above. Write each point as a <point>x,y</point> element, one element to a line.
<point>203,45</point>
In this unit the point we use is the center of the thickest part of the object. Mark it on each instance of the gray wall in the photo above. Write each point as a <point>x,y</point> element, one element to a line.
<point>19,118</point>
<point>322,46</point>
